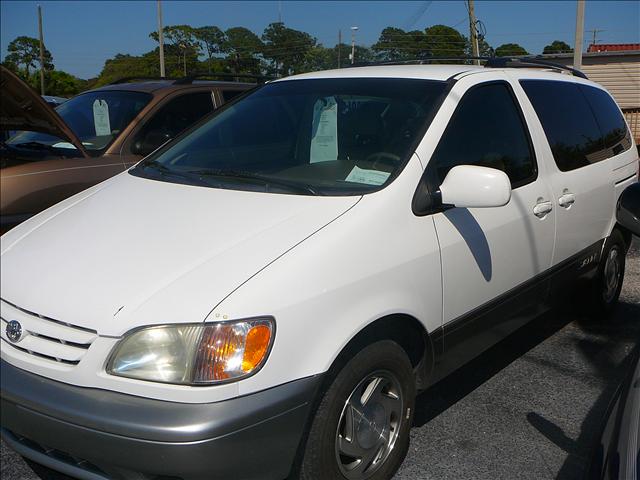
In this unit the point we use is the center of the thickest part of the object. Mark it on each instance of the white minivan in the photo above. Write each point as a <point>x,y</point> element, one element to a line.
<point>263,297</point>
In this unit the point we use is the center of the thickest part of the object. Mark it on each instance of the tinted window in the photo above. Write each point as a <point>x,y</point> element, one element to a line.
<point>228,95</point>
<point>326,136</point>
<point>174,117</point>
<point>97,118</point>
<point>608,116</point>
<point>487,129</point>
<point>566,111</point>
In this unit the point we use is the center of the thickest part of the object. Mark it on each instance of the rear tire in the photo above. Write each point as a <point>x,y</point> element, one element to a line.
<point>607,284</point>
<point>361,428</point>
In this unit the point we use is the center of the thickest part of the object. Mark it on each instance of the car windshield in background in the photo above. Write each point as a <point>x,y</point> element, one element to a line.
<point>96,118</point>
<point>322,136</point>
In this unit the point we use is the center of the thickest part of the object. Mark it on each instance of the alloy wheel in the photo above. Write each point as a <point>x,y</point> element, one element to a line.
<point>369,425</point>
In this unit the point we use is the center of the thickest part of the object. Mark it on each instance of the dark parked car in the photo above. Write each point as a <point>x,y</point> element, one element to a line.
<point>91,137</point>
<point>617,456</point>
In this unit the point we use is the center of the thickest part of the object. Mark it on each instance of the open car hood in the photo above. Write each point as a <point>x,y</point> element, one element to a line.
<point>23,109</point>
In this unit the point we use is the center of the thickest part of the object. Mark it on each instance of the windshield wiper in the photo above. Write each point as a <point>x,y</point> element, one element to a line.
<point>166,171</point>
<point>295,186</point>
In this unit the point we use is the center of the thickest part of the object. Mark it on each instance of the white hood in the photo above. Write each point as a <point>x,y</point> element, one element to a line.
<point>134,251</point>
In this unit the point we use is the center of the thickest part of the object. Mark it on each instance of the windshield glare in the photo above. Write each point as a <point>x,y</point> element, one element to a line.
<point>332,136</point>
<point>96,118</point>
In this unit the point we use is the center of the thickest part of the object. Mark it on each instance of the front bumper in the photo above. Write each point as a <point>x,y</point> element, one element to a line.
<point>98,434</point>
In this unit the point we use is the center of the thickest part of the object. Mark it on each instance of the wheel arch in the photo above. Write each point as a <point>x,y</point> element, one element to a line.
<point>402,328</point>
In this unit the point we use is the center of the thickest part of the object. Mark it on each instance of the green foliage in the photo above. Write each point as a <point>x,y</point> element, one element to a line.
<point>510,49</point>
<point>24,55</point>
<point>243,49</point>
<point>558,46</point>
<point>25,52</point>
<point>443,41</point>
<point>181,48</point>
<point>280,50</point>
<point>362,54</point>
<point>62,84</point>
<point>122,66</point>
<point>287,48</point>
<point>437,41</point>
<point>212,39</point>
<point>485,50</point>
<point>396,44</point>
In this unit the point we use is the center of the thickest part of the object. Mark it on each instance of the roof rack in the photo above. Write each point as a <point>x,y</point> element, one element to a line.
<point>527,62</point>
<point>129,79</point>
<point>191,78</point>
<point>490,62</point>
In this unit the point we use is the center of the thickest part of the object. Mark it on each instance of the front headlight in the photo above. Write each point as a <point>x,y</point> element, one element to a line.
<point>194,354</point>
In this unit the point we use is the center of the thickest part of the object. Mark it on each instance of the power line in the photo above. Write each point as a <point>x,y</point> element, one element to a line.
<point>422,9</point>
<point>595,32</point>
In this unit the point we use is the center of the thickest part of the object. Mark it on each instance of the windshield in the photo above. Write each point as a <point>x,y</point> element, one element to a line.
<point>96,118</point>
<point>322,136</point>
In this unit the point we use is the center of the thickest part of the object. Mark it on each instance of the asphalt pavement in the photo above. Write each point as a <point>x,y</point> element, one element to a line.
<point>529,408</point>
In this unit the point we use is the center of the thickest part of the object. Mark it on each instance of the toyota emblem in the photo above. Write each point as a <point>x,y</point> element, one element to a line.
<point>14,331</point>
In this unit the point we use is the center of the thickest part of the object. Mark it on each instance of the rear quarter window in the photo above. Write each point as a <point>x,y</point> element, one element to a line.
<point>609,118</point>
<point>583,124</point>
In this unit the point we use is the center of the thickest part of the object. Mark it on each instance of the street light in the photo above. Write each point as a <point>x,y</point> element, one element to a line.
<point>353,44</point>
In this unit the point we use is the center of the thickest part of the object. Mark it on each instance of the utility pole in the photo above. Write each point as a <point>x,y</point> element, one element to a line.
<point>475,49</point>
<point>41,50</point>
<point>161,39</point>
<point>339,46</point>
<point>353,44</point>
<point>577,46</point>
<point>595,32</point>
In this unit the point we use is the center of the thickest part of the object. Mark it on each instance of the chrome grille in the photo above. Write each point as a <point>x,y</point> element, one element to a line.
<point>46,337</point>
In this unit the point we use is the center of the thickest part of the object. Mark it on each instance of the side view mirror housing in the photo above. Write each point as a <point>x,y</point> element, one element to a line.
<point>149,143</point>
<point>628,209</point>
<point>471,186</point>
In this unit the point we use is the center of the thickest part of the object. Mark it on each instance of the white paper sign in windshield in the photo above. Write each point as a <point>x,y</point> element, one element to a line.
<point>324,131</point>
<point>101,118</point>
<point>368,177</point>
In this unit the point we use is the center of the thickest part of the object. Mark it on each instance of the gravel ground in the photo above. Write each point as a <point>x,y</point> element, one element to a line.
<point>529,408</point>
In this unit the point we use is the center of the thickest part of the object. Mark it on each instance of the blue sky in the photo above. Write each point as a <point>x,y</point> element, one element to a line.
<point>82,34</point>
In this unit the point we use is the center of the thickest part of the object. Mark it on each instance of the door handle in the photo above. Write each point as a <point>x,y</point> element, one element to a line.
<point>566,200</point>
<point>542,208</point>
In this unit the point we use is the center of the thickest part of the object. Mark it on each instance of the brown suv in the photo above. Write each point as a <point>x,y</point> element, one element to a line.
<point>91,137</point>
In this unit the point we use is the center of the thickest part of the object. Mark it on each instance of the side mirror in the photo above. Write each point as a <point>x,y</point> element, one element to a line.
<point>470,186</point>
<point>628,209</point>
<point>150,142</point>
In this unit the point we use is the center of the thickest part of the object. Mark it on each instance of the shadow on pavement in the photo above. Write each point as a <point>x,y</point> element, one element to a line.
<point>459,384</point>
<point>601,339</point>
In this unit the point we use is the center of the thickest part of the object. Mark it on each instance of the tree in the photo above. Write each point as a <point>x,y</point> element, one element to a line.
<point>25,51</point>
<point>286,48</point>
<point>181,45</point>
<point>63,84</point>
<point>396,44</point>
<point>443,41</point>
<point>243,49</point>
<point>391,44</point>
<point>363,55</point>
<point>212,39</point>
<point>510,50</point>
<point>558,46</point>
<point>121,66</point>
<point>484,48</point>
